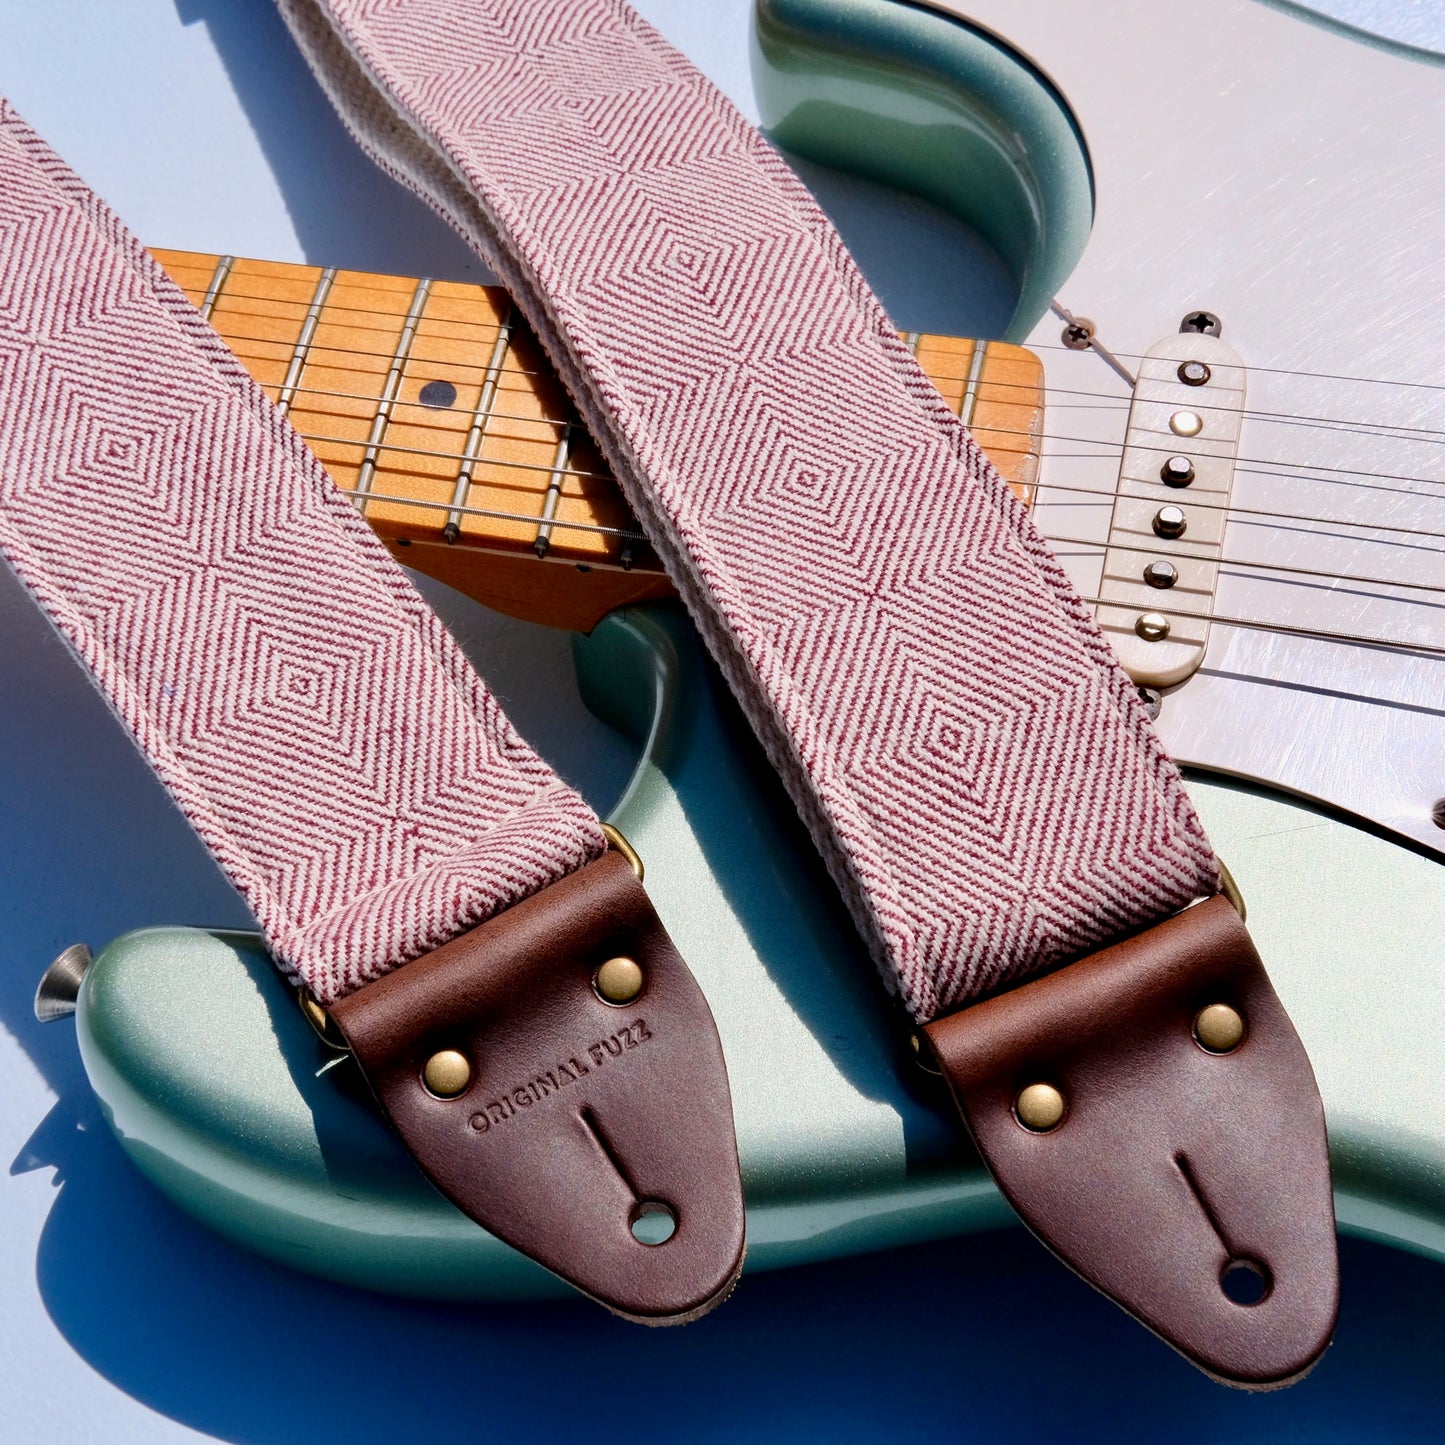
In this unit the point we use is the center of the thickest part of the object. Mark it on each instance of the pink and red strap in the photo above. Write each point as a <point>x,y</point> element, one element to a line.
<point>311,717</point>
<point>969,757</point>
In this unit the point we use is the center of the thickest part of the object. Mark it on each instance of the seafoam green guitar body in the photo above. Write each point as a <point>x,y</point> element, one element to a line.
<point>221,1093</point>
<point>940,108</point>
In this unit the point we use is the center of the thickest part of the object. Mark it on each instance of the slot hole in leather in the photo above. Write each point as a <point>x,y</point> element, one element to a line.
<point>1246,1282</point>
<point>653,1222</point>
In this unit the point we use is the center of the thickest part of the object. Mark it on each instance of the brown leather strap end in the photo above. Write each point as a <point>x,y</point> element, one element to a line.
<point>556,1119</point>
<point>1187,1180</point>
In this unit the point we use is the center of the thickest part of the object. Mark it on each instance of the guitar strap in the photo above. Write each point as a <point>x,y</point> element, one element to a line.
<point>410,860</point>
<point>971,762</point>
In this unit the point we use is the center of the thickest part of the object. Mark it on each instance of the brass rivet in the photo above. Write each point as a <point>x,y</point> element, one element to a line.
<point>1219,1028</point>
<point>1039,1107</point>
<point>619,980</point>
<point>1186,423</point>
<point>923,1056</point>
<point>447,1073</point>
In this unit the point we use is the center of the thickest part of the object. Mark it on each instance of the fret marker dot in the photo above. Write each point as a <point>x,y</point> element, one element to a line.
<point>439,394</point>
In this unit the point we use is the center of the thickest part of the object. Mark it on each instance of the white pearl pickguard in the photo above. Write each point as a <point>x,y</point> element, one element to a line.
<point>1292,181</point>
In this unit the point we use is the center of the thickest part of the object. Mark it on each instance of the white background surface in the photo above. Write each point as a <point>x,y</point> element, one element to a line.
<point>122,1321</point>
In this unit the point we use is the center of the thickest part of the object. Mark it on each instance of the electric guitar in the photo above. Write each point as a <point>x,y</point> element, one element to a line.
<point>1250,500</point>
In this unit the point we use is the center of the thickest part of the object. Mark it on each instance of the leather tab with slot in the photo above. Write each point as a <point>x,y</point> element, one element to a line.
<point>577,1117</point>
<point>1175,1173</point>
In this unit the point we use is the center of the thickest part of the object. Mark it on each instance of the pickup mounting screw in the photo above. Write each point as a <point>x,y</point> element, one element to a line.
<point>1194,373</point>
<point>1161,574</point>
<point>1177,472</point>
<point>1079,334</point>
<point>1169,522</point>
<point>1202,323</point>
<point>1437,813</point>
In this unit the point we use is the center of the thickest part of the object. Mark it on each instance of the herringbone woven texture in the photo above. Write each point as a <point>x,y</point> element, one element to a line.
<point>311,717</point>
<point>971,761</point>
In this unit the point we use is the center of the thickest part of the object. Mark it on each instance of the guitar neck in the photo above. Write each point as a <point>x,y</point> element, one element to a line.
<point>432,405</point>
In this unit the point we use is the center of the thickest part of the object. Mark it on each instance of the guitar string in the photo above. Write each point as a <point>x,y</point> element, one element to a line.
<point>1095,545</point>
<point>1115,448</point>
<point>1328,423</point>
<point>487,327</point>
<point>492,513</point>
<point>1100,497</point>
<point>1195,501</point>
<point>1271,370</point>
<point>606,478</point>
<point>1109,443</point>
<point>1362,639</point>
<point>1244,562</point>
<point>1095,548</point>
<point>1249,623</point>
<point>1197,504</point>
<point>1102,400</point>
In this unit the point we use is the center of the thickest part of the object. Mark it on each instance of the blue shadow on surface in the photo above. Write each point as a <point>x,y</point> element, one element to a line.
<point>984,1338</point>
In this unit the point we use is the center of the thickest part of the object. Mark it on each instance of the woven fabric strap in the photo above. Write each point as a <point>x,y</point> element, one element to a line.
<point>973,764</point>
<point>313,720</point>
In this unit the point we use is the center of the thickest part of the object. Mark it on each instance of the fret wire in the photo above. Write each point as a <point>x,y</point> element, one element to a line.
<point>971,381</point>
<point>480,417</point>
<point>303,341</point>
<point>382,420</point>
<point>219,277</point>
<point>1258,624</point>
<point>1222,561</point>
<point>601,529</point>
<point>543,539</point>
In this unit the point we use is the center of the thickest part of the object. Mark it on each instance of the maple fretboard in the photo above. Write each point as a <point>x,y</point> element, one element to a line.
<point>434,407</point>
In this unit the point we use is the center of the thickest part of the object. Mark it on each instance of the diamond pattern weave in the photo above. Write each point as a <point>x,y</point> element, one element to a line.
<point>971,761</point>
<point>306,710</point>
